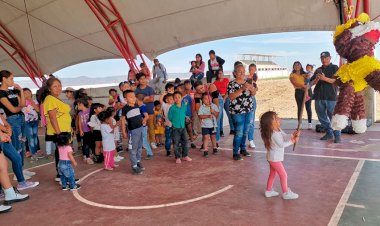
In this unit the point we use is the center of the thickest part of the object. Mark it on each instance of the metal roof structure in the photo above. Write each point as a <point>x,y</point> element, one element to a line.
<point>59,33</point>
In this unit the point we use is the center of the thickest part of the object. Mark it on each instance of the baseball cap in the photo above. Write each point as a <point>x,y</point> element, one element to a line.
<point>325,54</point>
<point>69,89</point>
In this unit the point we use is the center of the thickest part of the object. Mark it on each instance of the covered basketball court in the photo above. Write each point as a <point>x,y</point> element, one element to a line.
<point>337,183</point>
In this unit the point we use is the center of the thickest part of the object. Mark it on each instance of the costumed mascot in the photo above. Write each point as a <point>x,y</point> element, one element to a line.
<point>355,41</point>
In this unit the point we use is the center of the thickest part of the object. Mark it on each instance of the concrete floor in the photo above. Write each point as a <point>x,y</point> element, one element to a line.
<point>337,183</point>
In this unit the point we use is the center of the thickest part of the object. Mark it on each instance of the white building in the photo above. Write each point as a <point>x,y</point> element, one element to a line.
<point>266,67</point>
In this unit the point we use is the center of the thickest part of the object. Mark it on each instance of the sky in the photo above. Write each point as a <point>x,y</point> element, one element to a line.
<point>291,46</point>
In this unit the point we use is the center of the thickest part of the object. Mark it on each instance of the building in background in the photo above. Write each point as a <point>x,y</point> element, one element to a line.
<point>266,67</point>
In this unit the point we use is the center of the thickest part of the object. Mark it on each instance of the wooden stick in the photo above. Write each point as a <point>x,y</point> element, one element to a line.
<point>300,118</point>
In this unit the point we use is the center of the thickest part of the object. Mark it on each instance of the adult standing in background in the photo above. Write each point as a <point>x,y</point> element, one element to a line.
<point>159,76</point>
<point>221,84</point>
<point>149,102</point>
<point>215,63</point>
<point>252,79</point>
<point>325,93</point>
<point>298,79</point>
<point>240,94</point>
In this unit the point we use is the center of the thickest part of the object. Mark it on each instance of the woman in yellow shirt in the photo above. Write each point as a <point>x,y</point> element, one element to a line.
<point>297,78</point>
<point>56,111</point>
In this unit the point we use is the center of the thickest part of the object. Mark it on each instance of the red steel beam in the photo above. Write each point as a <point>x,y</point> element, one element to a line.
<point>117,29</point>
<point>366,6</point>
<point>19,55</point>
<point>357,8</point>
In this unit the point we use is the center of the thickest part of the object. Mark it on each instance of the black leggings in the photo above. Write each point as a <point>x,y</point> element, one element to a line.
<point>299,98</point>
<point>210,75</point>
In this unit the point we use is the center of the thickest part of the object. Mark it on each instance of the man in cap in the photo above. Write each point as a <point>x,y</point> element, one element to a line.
<point>325,94</point>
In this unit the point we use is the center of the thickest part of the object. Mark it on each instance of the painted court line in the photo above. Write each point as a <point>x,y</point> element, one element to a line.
<point>355,205</point>
<point>346,194</point>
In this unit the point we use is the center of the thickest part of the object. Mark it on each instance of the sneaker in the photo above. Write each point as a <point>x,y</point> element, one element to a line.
<point>246,153</point>
<point>65,188</point>
<point>116,159</point>
<point>68,183</point>
<point>26,177</point>
<point>137,170</point>
<point>4,209</point>
<point>28,173</point>
<point>115,165</point>
<point>252,144</point>
<point>58,178</point>
<point>310,126</point>
<point>168,153</point>
<point>140,166</point>
<point>149,157</point>
<point>215,151</point>
<point>109,169</point>
<point>272,193</point>
<point>337,139</point>
<point>27,184</point>
<point>205,154</point>
<point>76,187</point>
<point>153,145</point>
<point>237,157</point>
<point>120,157</point>
<point>2,196</point>
<point>289,195</point>
<point>221,134</point>
<point>28,154</point>
<point>327,137</point>
<point>89,161</point>
<point>232,132</point>
<point>16,196</point>
<point>187,159</point>
<point>192,145</point>
<point>178,161</point>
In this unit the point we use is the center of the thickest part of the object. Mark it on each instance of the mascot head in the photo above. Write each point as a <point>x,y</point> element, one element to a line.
<point>356,38</point>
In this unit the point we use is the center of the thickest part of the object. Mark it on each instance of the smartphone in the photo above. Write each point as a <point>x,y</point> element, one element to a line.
<point>249,81</point>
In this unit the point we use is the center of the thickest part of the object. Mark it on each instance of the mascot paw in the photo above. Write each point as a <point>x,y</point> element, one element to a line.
<point>339,122</point>
<point>359,126</point>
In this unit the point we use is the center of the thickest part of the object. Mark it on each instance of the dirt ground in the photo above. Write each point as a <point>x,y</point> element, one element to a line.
<point>278,95</point>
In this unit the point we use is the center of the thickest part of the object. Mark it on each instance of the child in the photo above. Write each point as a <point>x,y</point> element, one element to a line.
<point>116,132</point>
<point>84,129</point>
<point>158,123</point>
<point>309,74</point>
<point>66,162</point>
<point>177,115</point>
<point>167,101</point>
<point>275,141</point>
<point>169,88</point>
<point>145,116</point>
<point>108,142</point>
<point>113,97</point>
<point>193,77</point>
<point>131,115</point>
<point>95,123</point>
<point>208,113</point>
<point>189,114</point>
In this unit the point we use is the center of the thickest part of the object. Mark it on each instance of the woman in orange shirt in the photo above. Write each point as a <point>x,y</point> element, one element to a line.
<point>297,78</point>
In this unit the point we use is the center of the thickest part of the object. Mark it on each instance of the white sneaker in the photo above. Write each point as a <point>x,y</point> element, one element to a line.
<point>116,159</point>
<point>153,145</point>
<point>26,177</point>
<point>289,195</point>
<point>28,173</point>
<point>272,193</point>
<point>4,209</point>
<point>27,184</point>
<point>252,144</point>
<point>310,126</point>
<point>120,157</point>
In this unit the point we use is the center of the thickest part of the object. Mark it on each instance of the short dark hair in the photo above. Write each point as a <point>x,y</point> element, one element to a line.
<point>167,96</point>
<point>252,65</point>
<point>140,96</point>
<point>110,90</point>
<point>63,138</point>
<point>104,115</point>
<point>177,80</point>
<point>197,83</point>
<point>237,63</point>
<point>177,93</point>
<point>211,52</point>
<point>156,102</point>
<point>168,86</point>
<point>139,75</point>
<point>84,101</point>
<point>125,93</point>
<point>186,81</point>
<point>142,64</point>
<point>203,95</point>
<point>26,89</point>
<point>310,65</point>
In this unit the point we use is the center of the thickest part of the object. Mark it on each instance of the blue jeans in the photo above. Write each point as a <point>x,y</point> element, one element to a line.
<point>227,108</point>
<point>251,131</point>
<point>241,124</point>
<point>220,118</point>
<point>146,144</point>
<point>325,109</point>
<point>17,124</point>
<point>31,133</point>
<point>66,173</point>
<point>168,138</point>
<point>11,153</point>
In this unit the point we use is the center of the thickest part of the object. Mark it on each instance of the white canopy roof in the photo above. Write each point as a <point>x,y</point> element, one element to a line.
<point>66,32</point>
